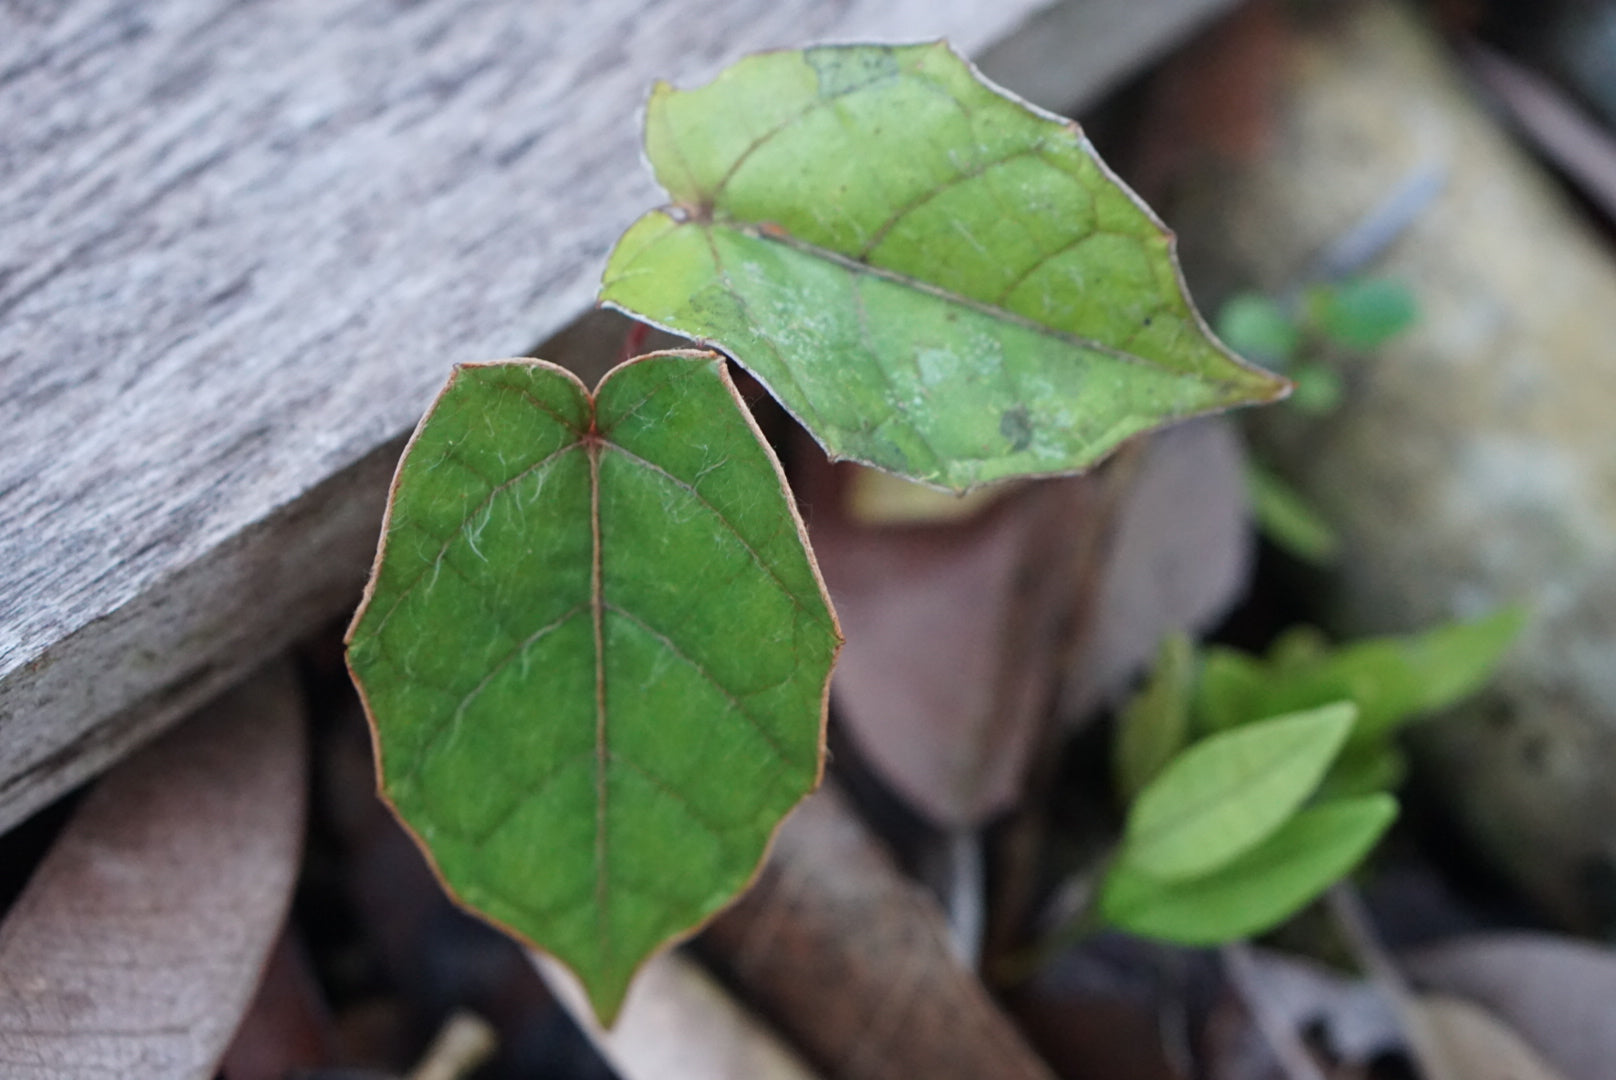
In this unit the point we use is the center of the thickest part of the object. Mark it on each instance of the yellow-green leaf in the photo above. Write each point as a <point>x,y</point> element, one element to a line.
<point>1155,724</point>
<point>934,277</point>
<point>1257,891</point>
<point>1390,679</point>
<point>1230,791</point>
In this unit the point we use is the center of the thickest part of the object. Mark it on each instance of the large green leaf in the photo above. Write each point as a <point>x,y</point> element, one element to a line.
<point>1257,891</point>
<point>1229,792</point>
<point>595,651</point>
<point>934,277</point>
<point>1390,679</point>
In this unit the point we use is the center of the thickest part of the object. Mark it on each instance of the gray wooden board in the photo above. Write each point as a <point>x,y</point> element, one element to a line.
<point>1069,54</point>
<point>241,245</point>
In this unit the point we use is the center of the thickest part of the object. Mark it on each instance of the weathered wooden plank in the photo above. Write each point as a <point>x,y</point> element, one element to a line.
<point>240,245</point>
<point>1069,54</point>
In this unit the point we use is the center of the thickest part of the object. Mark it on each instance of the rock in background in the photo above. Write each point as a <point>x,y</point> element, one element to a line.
<point>1473,462</point>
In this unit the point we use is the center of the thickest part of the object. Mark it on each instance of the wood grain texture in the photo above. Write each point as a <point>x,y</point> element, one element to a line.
<point>139,941</point>
<point>241,244</point>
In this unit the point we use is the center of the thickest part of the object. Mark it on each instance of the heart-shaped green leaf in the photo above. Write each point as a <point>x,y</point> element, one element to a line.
<point>1257,891</point>
<point>1229,792</point>
<point>596,653</point>
<point>934,277</point>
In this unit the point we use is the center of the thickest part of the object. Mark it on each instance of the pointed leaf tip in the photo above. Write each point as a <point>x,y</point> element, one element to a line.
<point>1230,791</point>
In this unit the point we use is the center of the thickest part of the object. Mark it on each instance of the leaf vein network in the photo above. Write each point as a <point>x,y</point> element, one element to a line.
<point>701,669</point>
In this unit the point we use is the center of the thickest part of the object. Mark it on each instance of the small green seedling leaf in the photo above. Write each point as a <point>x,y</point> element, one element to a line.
<point>1364,314</point>
<point>1229,685</point>
<point>1364,768</point>
<point>1230,791</point>
<point>1257,891</point>
<point>1288,520</point>
<point>934,277</point>
<point>1155,724</point>
<point>1319,388</point>
<point>1255,325</point>
<point>1298,645</point>
<point>1390,679</point>
<point>596,653</point>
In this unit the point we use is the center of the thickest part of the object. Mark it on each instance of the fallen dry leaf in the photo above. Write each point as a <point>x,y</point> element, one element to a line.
<point>1558,993</point>
<point>288,1025</point>
<point>852,961</point>
<point>678,1023</point>
<point>1478,1045</point>
<point>1179,557</point>
<point>137,945</point>
<point>957,631</point>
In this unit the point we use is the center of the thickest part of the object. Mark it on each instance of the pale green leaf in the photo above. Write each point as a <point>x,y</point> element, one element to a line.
<point>1230,791</point>
<point>1288,520</point>
<point>1228,687</point>
<point>1257,891</point>
<point>1155,724</point>
<point>1364,768</point>
<point>934,277</point>
<point>1298,645</point>
<point>1390,679</point>
<point>595,652</point>
<point>1319,388</point>
<point>1363,314</point>
<point>1254,325</point>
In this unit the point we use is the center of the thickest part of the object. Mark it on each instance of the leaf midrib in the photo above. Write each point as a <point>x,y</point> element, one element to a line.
<point>592,442</point>
<point>705,213</point>
<point>1221,796</point>
<point>980,307</point>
